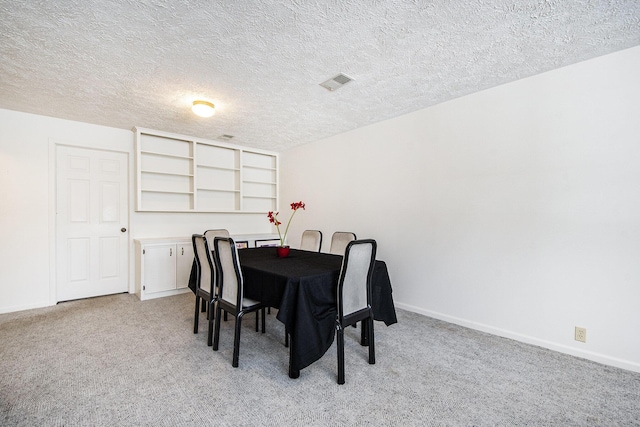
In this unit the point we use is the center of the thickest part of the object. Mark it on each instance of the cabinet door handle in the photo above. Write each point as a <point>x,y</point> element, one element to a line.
<point>170,251</point>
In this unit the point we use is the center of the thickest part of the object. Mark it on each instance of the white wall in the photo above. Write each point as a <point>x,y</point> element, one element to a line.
<point>27,197</point>
<point>514,211</point>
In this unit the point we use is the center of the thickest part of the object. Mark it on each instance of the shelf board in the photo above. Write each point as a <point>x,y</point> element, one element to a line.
<point>218,189</point>
<point>258,182</point>
<point>157,153</point>
<point>166,210</point>
<point>166,191</point>
<point>222,168</point>
<point>258,197</point>
<point>259,167</point>
<point>189,175</point>
<point>202,211</point>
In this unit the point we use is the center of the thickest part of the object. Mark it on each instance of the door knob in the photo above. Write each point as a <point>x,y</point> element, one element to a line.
<point>123,229</point>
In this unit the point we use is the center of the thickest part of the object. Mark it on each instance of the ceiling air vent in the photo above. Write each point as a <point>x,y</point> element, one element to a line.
<point>336,82</point>
<point>224,137</point>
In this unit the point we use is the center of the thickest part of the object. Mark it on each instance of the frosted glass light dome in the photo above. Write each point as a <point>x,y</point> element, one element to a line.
<point>203,108</point>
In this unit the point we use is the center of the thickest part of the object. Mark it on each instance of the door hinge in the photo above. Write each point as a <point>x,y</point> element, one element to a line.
<point>143,251</point>
<point>144,288</point>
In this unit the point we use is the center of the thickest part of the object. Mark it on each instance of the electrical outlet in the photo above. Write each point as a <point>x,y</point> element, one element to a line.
<point>581,334</point>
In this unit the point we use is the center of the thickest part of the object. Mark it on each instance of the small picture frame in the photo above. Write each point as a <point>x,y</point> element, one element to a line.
<point>242,244</point>
<point>267,242</point>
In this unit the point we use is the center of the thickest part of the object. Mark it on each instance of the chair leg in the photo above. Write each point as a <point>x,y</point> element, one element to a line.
<point>286,337</point>
<point>208,309</point>
<point>196,317</point>
<point>236,340</point>
<point>372,350</point>
<point>204,306</point>
<point>364,333</point>
<point>370,338</point>
<point>263,321</point>
<point>340,347</point>
<point>257,317</point>
<point>216,329</point>
<point>210,328</point>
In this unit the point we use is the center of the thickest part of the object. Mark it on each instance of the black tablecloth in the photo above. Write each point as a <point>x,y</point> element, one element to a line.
<point>303,288</point>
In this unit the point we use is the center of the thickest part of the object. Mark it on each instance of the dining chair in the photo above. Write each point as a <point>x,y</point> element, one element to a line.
<point>354,296</point>
<point>231,293</point>
<point>213,233</point>
<point>210,235</point>
<point>339,242</point>
<point>311,240</point>
<point>205,282</point>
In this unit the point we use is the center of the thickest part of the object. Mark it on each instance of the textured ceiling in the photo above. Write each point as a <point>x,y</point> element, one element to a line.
<point>125,63</point>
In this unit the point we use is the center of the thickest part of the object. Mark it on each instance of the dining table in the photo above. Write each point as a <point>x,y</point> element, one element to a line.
<point>303,288</point>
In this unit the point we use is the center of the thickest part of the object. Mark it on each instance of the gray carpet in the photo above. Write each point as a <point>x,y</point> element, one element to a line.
<point>116,361</point>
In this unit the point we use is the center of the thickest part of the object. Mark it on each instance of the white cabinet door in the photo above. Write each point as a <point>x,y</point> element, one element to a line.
<point>163,266</point>
<point>184,261</point>
<point>159,268</point>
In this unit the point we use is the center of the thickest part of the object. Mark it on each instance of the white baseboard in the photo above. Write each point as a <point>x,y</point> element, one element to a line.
<point>561,348</point>
<point>4,310</point>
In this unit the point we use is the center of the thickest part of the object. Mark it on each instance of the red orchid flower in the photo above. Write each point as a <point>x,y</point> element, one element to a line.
<point>273,218</point>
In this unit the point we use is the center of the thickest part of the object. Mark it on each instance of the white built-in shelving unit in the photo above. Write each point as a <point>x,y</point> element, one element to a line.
<point>177,173</point>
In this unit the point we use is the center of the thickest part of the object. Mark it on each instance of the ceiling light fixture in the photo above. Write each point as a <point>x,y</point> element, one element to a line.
<point>203,108</point>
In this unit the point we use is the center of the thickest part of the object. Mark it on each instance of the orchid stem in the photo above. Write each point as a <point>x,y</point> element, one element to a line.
<point>279,235</point>
<point>287,229</point>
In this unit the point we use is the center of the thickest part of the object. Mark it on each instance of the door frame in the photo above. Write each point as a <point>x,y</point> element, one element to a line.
<point>54,143</point>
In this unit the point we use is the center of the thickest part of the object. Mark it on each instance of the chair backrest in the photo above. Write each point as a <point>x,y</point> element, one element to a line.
<point>228,267</point>
<point>212,234</point>
<point>354,285</point>
<point>204,263</point>
<point>311,240</point>
<point>339,242</point>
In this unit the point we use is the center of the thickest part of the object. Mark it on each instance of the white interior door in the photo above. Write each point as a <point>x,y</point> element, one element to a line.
<point>92,248</point>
